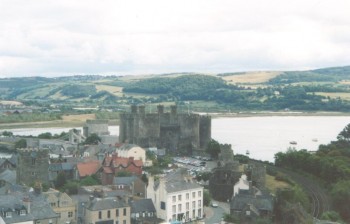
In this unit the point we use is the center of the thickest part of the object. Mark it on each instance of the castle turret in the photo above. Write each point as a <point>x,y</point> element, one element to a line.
<point>160,109</point>
<point>134,109</point>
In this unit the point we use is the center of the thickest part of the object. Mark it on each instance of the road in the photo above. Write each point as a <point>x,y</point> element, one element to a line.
<point>215,215</point>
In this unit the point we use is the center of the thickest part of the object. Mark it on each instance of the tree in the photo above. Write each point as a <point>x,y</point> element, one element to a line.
<point>89,181</point>
<point>341,197</point>
<point>60,180</point>
<point>206,198</point>
<point>345,134</point>
<point>46,135</point>
<point>7,133</point>
<point>93,139</point>
<point>213,149</point>
<point>22,143</point>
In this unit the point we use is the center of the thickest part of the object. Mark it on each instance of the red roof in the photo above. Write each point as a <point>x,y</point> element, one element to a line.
<point>88,168</point>
<point>107,170</point>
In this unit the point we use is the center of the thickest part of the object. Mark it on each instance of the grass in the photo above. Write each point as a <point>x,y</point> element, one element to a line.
<point>273,184</point>
<point>115,90</point>
<point>251,77</point>
<point>341,95</point>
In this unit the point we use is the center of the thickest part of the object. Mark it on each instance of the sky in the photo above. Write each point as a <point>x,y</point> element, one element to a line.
<point>113,37</point>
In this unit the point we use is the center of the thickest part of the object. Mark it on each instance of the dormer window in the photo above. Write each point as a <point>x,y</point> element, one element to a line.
<point>8,214</point>
<point>22,212</point>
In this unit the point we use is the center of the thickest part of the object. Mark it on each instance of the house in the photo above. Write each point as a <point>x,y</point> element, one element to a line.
<point>88,168</point>
<point>114,164</point>
<point>66,168</point>
<point>8,163</point>
<point>242,184</point>
<point>13,210</point>
<point>143,211</point>
<point>133,184</point>
<point>176,196</point>
<point>62,204</point>
<point>251,204</point>
<point>131,150</point>
<point>7,180</point>
<point>109,210</point>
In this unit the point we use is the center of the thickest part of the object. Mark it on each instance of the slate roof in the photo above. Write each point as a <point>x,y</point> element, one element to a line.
<point>98,204</point>
<point>61,166</point>
<point>88,168</point>
<point>178,181</point>
<point>40,208</point>
<point>143,205</point>
<point>124,180</point>
<point>13,204</point>
<point>9,176</point>
<point>261,202</point>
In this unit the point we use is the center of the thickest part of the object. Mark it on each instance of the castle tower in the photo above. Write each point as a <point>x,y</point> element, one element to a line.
<point>32,166</point>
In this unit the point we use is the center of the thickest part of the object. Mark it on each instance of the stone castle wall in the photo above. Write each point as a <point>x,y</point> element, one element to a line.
<point>169,130</point>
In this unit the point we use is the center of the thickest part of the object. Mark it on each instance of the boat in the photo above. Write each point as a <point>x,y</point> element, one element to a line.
<point>293,142</point>
<point>315,140</point>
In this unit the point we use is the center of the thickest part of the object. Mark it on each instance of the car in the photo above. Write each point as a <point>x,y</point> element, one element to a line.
<point>214,205</point>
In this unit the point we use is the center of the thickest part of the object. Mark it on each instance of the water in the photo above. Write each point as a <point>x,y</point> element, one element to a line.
<point>261,136</point>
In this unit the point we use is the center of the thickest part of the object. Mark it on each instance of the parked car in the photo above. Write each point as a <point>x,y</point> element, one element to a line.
<point>214,205</point>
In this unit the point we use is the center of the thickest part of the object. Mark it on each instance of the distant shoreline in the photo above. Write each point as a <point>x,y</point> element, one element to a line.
<point>67,124</point>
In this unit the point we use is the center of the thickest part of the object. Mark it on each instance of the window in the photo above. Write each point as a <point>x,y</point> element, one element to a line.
<point>162,205</point>
<point>199,193</point>
<point>53,204</point>
<point>193,194</point>
<point>199,203</point>
<point>193,214</point>
<point>193,204</point>
<point>116,222</point>
<point>200,213</point>
<point>124,212</point>
<point>179,197</point>
<point>174,209</point>
<point>117,212</point>
<point>187,196</point>
<point>174,198</point>
<point>124,221</point>
<point>33,173</point>
<point>70,214</point>
<point>22,212</point>
<point>8,214</point>
<point>100,215</point>
<point>179,207</point>
<point>187,206</point>
<point>108,214</point>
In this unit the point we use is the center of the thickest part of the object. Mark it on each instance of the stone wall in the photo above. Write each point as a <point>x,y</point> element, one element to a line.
<point>32,165</point>
<point>164,129</point>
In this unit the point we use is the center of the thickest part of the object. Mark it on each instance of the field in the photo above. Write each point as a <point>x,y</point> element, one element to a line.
<point>343,96</point>
<point>8,102</point>
<point>273,184</point>
<point>115,90</point>
<point>251,77</point>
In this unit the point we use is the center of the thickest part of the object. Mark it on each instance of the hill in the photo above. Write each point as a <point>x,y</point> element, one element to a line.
<point>326,89</point>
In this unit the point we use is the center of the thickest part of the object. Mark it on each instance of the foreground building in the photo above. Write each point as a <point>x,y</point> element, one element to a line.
<point>176,196</point>
<point>111,210</point>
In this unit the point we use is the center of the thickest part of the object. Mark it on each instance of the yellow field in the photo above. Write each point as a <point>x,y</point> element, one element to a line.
<point>8,102</point>
<point>115,90</point>
<point>79,117</point>
<point>344,96</point>
<point>251,77</point>
<point>273,184</point>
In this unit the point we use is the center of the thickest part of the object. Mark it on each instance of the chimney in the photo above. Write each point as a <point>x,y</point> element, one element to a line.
<point>37,187</point>
<point>26,202</point>
<point>91,198</point>
<point>131,159</point>
<point>114,155</point>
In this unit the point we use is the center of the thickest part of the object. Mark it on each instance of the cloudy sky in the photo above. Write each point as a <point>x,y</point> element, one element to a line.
<point>69,37</point>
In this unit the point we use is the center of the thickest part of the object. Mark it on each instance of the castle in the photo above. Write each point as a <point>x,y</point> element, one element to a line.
<point>171,130</point>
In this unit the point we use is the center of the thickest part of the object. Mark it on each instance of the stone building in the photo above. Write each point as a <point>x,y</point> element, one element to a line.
<point>99,127</point>
<point>171,130</point>
<point>32,165</point>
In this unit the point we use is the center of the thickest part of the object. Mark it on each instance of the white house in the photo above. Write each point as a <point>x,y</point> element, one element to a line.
<point>242,184</point>
<point>131,150</point>
<point>176,196</point>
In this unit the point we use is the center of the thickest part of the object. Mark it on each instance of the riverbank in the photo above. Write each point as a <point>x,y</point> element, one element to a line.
<point>79,120</point>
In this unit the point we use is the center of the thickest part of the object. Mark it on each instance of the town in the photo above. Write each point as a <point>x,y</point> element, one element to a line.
<point>162,168</point>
